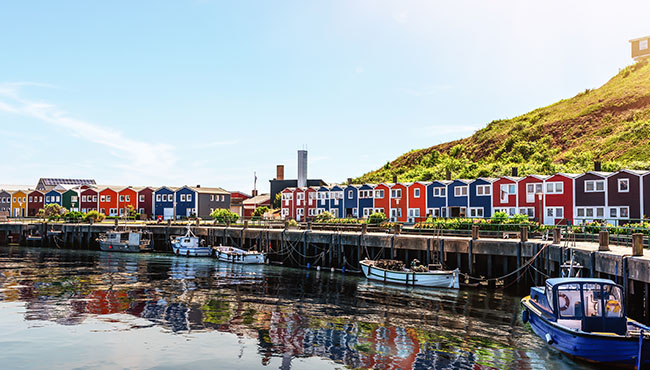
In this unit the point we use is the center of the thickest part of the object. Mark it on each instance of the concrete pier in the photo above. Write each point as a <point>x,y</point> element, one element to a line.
<point>482,259</point>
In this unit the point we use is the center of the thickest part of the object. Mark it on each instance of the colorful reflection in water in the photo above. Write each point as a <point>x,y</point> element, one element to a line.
<point>297,319</point>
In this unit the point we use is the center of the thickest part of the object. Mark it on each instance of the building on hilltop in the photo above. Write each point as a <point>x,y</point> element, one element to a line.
<point>640,48</point>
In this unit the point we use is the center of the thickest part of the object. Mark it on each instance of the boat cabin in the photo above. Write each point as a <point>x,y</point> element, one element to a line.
<point>585,304</point>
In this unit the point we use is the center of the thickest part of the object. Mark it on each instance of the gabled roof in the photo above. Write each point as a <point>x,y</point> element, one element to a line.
<point>10,188</point>
<point>464,181</point>
<point>635,172</point>
<point>215,190</point>
<point>539,177</point>
<point>597,173</point>
<point>488,179</point>
<point>569,175</point>
<point>45,182</point>
<point>260,199</point>
<point>515,178</point>
<point>441,182</point>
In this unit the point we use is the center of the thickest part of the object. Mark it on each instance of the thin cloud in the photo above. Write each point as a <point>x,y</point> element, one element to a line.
<point>136,156</point>
<point>216,144</point>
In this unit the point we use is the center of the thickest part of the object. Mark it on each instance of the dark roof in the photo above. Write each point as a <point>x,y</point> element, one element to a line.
<point>54,182</point>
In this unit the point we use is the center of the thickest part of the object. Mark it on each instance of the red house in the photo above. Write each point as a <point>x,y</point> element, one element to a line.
<point>35,203</point>
<point>108,202</point>
<point>505,194</point>
<point>89,199</point>
<point>417,202</point>
<point>382,199</point>
<point>145,201</point>
<point>251,204</point>
<point>287,203</point>
<point>127,197</point>
<point>299,201</point>
<point>558,199</point>
<point>531,198</point>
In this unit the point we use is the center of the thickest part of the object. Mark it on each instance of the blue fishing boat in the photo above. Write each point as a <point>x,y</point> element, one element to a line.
<point>585,318</point>
<point>190,245</point>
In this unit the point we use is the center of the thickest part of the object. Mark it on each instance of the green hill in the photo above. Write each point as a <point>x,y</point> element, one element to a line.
<point>610,124</point>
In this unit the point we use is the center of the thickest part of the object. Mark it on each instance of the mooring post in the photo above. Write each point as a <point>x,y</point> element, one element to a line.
<point>469,257</point>
<point>625,281</point>
<point>523,234</point>
<point>475,230</point>
<point>557,235</point>
<point>592,264</point>
<point>637,244</point>
<point>428,255</point>
<point>441,246</point>
<point>329,252</point>
<point>304,247</point>
<point>392,247</point>
<point>603,240</point>
<point>358,249</point>
<point>518,261</point>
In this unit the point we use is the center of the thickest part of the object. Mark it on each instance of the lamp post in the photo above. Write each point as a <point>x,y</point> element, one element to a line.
<point>540,197</point>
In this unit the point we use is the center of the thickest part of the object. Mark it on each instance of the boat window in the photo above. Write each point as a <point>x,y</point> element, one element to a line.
<point>593,305</point>
<point>549,296</point>
<point>569,302</point>
<point>613,301</point>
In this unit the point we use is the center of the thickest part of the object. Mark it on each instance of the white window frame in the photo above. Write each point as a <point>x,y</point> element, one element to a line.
<point>460,191</point>
<point>182,197</point>
<point>141,197</point>
<point>157,197</point>
<point>552,187</point>
<point>625,181</point>
<point>627,212</point>
<point>379,194</point>
<point>416,193</point>
<point>643,45</point>
<point>350,194</point>
<point>396,193</point>
<point>483,190</point>
<point>476,212</point>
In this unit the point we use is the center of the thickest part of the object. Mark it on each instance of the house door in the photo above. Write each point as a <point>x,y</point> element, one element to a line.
<point>553,215</point>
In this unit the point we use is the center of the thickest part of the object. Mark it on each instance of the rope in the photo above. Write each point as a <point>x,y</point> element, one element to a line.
<point>525,265</point>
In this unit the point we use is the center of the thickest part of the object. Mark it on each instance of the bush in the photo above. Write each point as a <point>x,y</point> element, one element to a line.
<point>293,223</point>
<point>377,218</point>
<point>324,217</point>
<point>53,212</point>
<point>73,216</point>
<point>260,211</point>
<point>224,215</point>
<point>95,216</point>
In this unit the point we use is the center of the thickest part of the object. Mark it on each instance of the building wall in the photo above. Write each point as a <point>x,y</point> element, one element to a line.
<point>631,199</point>
<point>584,198</point>
<point>53,197</point>
<point>109,203</point>
<point>145,202</point>
<point>19,204</point>
<point>636,51</point>
<point>5,201</point>
<point>384,202</point>
<point>351,201</point>
<point>91,200</point>
<point>159,204</point>
<point>210,202</point>
<point>453,200</point>
<point>365,203</point>
<point>480,201</point>
<point>419,203</point>
<point>288,205</point>
<point>564,200</point>
<point>35,202</point>
<point>399,204</point>
<point>322,203</point>
<point>434,202</point>
<point>185,202</point>
<point>511,200</point>
<point>336,204</point>
<point>125,198</point>
<point>70,200</point>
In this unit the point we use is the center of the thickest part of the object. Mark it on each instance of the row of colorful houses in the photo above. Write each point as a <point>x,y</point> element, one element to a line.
<point>556,199</point>
<point>166,202</point>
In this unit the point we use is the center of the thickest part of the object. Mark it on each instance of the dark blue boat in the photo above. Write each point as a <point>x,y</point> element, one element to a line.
<point>585,318</point>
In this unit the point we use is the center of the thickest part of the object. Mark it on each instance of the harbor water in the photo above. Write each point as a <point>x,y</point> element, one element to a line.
<point>65,309</point>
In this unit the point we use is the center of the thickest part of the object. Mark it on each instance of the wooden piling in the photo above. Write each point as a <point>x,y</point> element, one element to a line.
<point>603,240</point>
<point>475,231</point>
<point>637,244</point>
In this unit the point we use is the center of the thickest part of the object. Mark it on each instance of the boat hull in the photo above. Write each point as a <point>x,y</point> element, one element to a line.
<point>120,247</point>
<point>433,279</point>
<point>240,256</point>
<point>605,348</point>
<point>180,250</point>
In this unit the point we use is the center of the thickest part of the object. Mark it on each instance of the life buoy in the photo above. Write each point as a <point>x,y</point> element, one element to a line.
<point>565,306</point>
<point>613,306</point>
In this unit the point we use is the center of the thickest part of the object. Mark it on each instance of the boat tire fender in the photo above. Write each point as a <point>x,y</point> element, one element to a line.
<point>524,316</point>
<point>548,338</point>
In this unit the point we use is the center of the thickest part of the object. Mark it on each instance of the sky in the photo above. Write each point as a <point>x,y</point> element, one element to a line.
<point>211,92</point>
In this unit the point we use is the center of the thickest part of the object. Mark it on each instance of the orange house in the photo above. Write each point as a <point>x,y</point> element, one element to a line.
<point>19,203</point>
<point>108,202</point>
<point>382,199</point>
<point>417,202</point>
<point>398,202</point>
<point>127,197</point>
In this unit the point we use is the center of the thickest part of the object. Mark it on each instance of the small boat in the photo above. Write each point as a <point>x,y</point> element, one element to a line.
<point>190,245</point>
<point>125,241</point>
<point>585,318</point>
<point>236,255</point>
<point>434,279</point>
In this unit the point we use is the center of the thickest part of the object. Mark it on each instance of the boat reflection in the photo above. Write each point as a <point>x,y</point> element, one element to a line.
<point>290,313</point>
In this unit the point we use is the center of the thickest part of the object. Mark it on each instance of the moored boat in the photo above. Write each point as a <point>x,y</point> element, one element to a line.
<point>125,241</point>
<point>236,255</point>
<point>190,245</point>
<point>434,279</point>
<point>585,318</point>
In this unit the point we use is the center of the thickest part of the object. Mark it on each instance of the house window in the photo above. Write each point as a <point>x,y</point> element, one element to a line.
<point>121,198</point>
<point>103,210</point>
<point>613,212</point>
<point>141,198</point>
<point>350,194</point>
<point>30,199</point>
<point>590,212</point>
<point>47,198</point>
<point>600,212</point>
<point>460,191</point>
<point>128,198</point>
<point>212,198</point>
<point>624,212</point>
<point>108,198</point>
<point>94,198</point>
<point>594,186</point>
<point>643,44</point>
<point>182,197</point>
<point>141,211</point>
<point>559,212</point>
<point>439,192</point>
<point>379,194</point>
<point>189,197</point>
<point>416,193</point>
<point>83,198</point>
<point>623,185</point>
<point>555,187</point>
<point>483,189</point>
<point>102,198</point>
<point>476,212</point>
<point>528,211</point>
<point>157,197</point>
<point>396,193</point>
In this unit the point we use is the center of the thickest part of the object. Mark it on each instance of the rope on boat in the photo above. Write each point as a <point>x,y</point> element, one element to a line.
<point>524,266</point>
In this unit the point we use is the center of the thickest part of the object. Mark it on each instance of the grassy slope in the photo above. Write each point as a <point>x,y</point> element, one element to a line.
<point>611,123</point>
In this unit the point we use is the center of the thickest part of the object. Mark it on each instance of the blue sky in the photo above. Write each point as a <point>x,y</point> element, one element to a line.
<point>207,92</point>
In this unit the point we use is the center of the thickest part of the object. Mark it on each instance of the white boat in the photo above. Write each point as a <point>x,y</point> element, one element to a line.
<point>190,245</point>
<point>125,241</point>
<point>434,279</point>
<point>236,255</point>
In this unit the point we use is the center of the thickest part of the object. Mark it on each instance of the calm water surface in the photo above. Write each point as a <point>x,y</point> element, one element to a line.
<point>64,309</point>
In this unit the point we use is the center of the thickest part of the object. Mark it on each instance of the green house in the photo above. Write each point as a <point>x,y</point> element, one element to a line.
<point>71,200</point>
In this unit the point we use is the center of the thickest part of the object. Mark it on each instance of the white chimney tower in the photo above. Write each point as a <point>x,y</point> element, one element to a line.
<point>302,168</point>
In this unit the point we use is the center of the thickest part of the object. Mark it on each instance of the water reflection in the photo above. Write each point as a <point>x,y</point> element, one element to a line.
<point>291,314</point>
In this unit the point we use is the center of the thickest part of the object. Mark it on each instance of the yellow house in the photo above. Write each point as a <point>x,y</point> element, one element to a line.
<point>19,203</point>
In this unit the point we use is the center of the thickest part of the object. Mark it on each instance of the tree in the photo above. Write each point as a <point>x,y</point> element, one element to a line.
<point>224,215</point>
<point>95,216</point>
<point>324,217</point>
<point>53,211</point>
<point>277,202</point>
<point>260,211</point>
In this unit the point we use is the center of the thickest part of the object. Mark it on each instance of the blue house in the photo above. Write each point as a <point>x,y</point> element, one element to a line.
<point>458,198</point>
<point>185,202</point>
<point>366,200</point>
<point>336,201</point>
<point>163,203</point>
<point>480,198</point>
<point>323,199</point>
<point>437,198</point>
<point>351,201</point>
<point>53,197</point>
